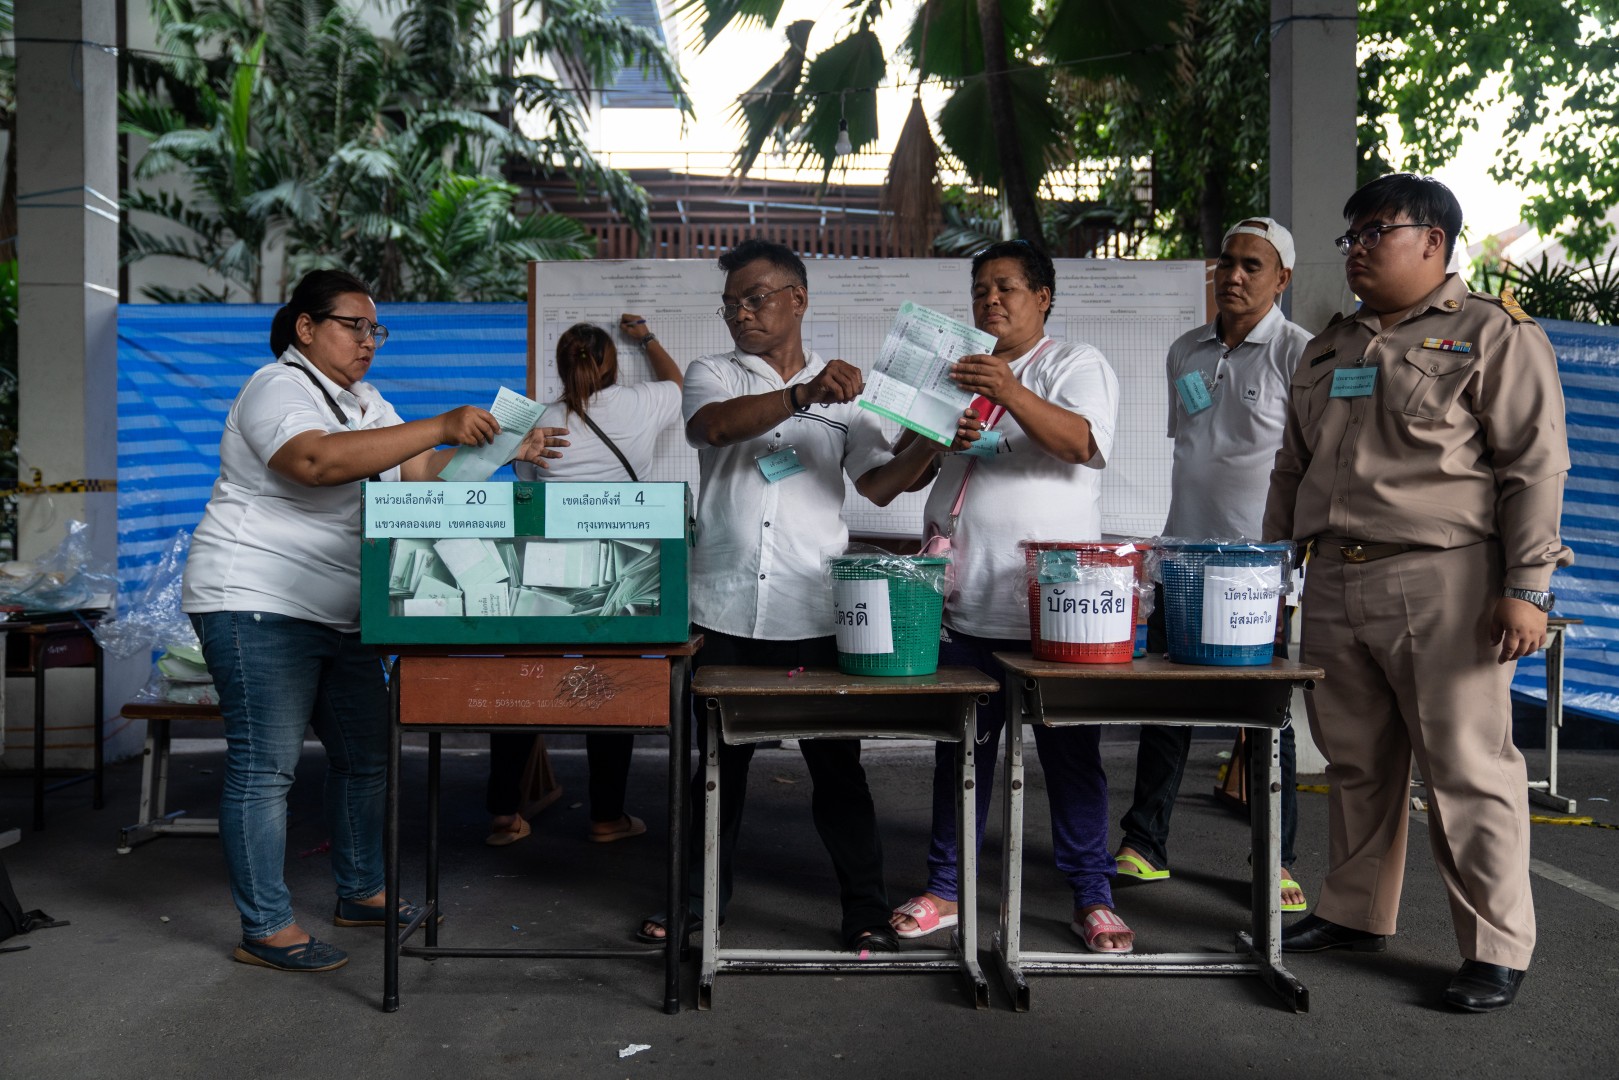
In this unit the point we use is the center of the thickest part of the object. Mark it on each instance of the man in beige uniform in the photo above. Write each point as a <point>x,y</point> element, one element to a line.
<point>1424,457</point>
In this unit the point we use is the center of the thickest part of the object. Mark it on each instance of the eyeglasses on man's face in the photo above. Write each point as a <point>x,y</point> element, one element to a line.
<point>361,327</point>
<point>747,303</point>
<point>1368,236</point>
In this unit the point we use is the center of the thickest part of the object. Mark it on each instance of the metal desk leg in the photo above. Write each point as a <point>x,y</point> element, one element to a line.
<point>679,770</point>
<point>390,856</point>
<point>1009,940</point>
<point>430,906</point>
<point>99,759</point>
<point>711,861</point>
<point>1265,815</point>
<point>39,735</point>
<point>966,935</point>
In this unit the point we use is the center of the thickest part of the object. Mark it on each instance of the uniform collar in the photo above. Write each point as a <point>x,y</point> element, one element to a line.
<point>1448,299</point>
<point>751,362</point>
<point>362,393</point>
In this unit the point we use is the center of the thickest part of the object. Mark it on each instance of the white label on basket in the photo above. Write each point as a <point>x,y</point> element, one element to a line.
<point>1239,604</point>
<point>1093,611</point>
<point>862,618</point>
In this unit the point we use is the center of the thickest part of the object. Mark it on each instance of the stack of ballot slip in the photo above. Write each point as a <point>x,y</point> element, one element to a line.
<point>472,562</point>
<point>525,577</point>
<point>564,564</point>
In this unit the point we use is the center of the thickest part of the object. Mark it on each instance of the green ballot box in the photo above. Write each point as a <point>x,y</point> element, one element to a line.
<point>452,563</point>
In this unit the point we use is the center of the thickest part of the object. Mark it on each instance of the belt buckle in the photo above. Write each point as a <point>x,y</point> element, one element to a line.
<point>1355,553</point>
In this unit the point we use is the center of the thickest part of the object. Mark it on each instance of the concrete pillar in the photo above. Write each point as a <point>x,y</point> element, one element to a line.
<point>1312,146</point>
<point>67,183</point>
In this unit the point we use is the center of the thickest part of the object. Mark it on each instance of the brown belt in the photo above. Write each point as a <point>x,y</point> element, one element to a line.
<point>1364,553</point>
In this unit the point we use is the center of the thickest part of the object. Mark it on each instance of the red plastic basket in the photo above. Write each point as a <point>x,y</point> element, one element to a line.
<point>1076,652</point>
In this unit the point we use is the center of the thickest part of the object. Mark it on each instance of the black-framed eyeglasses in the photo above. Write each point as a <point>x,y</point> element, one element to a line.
<point>361,327</point>
<point>1371,234</point>
<point>748,303</point>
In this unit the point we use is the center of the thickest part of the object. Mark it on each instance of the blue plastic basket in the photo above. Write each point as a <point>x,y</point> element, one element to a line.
<point>1182,570</point>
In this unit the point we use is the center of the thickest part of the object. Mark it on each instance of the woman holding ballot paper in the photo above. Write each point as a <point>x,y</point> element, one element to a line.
<point>615,434</point>
<point>272,585</point>
<point>1048,411</point>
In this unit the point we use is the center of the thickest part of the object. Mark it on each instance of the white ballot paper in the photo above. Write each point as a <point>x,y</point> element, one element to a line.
<point>911,380</point>
<point>517,416</point>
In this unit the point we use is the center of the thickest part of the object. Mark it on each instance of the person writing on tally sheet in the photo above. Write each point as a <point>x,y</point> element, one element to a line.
<point>1227,406</point>
<point>615,428</point>
<point>776,430</point>
<point>272,585</point>
<point>1423,461</point>
<point>1049,412</point>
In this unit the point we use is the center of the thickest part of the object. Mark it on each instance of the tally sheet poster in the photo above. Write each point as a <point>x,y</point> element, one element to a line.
<point>1131,311</point>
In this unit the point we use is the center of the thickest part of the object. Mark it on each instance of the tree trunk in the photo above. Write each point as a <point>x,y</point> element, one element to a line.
<point>1016,190</point>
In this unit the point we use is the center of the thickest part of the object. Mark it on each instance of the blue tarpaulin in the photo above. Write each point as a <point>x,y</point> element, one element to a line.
<point>180,367</point>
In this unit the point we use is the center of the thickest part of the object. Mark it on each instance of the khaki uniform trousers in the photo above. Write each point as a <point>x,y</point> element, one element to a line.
<point>1405,644</point>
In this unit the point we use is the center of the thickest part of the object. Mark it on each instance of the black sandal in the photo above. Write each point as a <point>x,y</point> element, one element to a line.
<point>875,939</point>
<point>694,925</point>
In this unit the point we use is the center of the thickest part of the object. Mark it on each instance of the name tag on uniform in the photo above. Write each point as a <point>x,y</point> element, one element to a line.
<point>1194,392</point>
<point>780,465</point>
<point>988,444</point>
<point>1354,381</point>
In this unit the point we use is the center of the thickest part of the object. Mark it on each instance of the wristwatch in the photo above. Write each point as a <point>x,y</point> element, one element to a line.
<point>1542,600</point>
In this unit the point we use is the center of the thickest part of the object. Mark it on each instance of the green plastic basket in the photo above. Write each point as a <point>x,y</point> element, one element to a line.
<point>915,611</point>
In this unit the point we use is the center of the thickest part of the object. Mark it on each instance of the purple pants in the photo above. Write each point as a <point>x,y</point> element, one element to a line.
<point>1076,785</point>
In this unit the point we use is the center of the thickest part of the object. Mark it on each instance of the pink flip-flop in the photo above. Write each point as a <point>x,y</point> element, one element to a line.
<point>927,917</point>
<point>1099,922</point>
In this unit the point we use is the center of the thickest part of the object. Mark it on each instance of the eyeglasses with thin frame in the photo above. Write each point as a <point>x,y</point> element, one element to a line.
<point>361,327</point>
<point>1371,234</point>
<point>748,303</point>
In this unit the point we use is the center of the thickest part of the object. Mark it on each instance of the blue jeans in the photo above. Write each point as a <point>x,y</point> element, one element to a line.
<point>1076,785</point>
<point>277,675</point>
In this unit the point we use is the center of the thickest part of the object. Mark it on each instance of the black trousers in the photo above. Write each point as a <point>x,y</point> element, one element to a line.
<point>608,755</point>
<point>840,803</point>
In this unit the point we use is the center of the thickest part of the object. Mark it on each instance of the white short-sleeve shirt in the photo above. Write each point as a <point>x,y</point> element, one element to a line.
<point>1024,493</point>
<point>267,543</point>
<point>1224,452</point>
<point>632,416</point>
<point>757,565</point>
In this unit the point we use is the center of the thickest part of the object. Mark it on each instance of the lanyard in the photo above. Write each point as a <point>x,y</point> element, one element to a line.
<point>331,404</point>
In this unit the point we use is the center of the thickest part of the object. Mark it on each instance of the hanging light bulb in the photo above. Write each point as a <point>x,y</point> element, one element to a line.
<point>843,147</point>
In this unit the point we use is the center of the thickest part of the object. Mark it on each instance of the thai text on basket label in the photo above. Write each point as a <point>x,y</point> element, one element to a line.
<point>1097,609</point>
<point>1239,604</point>
<point>861,616</point>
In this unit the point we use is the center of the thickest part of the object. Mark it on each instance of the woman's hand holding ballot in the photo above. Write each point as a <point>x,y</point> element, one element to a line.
<point>988,377</point>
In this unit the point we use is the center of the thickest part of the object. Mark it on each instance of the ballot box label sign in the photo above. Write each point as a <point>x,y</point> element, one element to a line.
<point>1098,609</point>
<point>1239,604</point>
<point>862,617</point>
<point>438,509</point>
<point>641,511</point>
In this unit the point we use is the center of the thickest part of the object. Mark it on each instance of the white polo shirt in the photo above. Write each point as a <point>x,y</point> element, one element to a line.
<point>267,543</point>
<point>1023,493</point>
<point>757,565</point>
<point>1224,453</point>
<point>632,416</point>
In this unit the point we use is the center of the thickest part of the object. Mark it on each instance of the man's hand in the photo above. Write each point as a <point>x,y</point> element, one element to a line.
<point>540,444</point>
<point>468,426</point>
<point>837,383</point>
<point>1519,627</point>
<point>987,377</point>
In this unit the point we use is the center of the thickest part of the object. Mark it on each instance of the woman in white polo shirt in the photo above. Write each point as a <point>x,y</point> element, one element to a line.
<point>1049,409</point>
<point>615,434</point>
<point>272,585</point>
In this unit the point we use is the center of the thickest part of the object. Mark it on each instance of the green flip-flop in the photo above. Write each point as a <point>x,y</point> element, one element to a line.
<point>1133,866</point>
<point>1289,883</point>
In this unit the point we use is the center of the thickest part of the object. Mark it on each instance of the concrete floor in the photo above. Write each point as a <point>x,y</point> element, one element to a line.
<point>141,985</point>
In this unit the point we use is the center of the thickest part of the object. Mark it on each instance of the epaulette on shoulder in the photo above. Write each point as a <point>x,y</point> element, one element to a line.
<point>1337,318</point>
<point>1508,304</point>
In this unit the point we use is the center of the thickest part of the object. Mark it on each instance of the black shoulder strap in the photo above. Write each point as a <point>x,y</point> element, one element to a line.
<point>330,404</point>
<point>602,435</point>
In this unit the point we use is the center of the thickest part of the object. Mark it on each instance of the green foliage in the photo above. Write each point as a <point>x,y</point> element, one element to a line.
<point>1588,294</point>
<point>1555,62</point>
<point>290,120</point>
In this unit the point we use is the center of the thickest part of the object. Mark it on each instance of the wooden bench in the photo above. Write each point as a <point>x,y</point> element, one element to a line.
<point>155,819</point>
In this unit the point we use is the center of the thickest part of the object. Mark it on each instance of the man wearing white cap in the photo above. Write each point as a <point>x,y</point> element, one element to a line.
<point>1228,397</point>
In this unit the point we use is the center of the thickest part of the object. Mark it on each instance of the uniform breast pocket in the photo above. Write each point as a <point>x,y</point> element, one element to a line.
<point>1426,382</point>
<point>1311,389</point>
